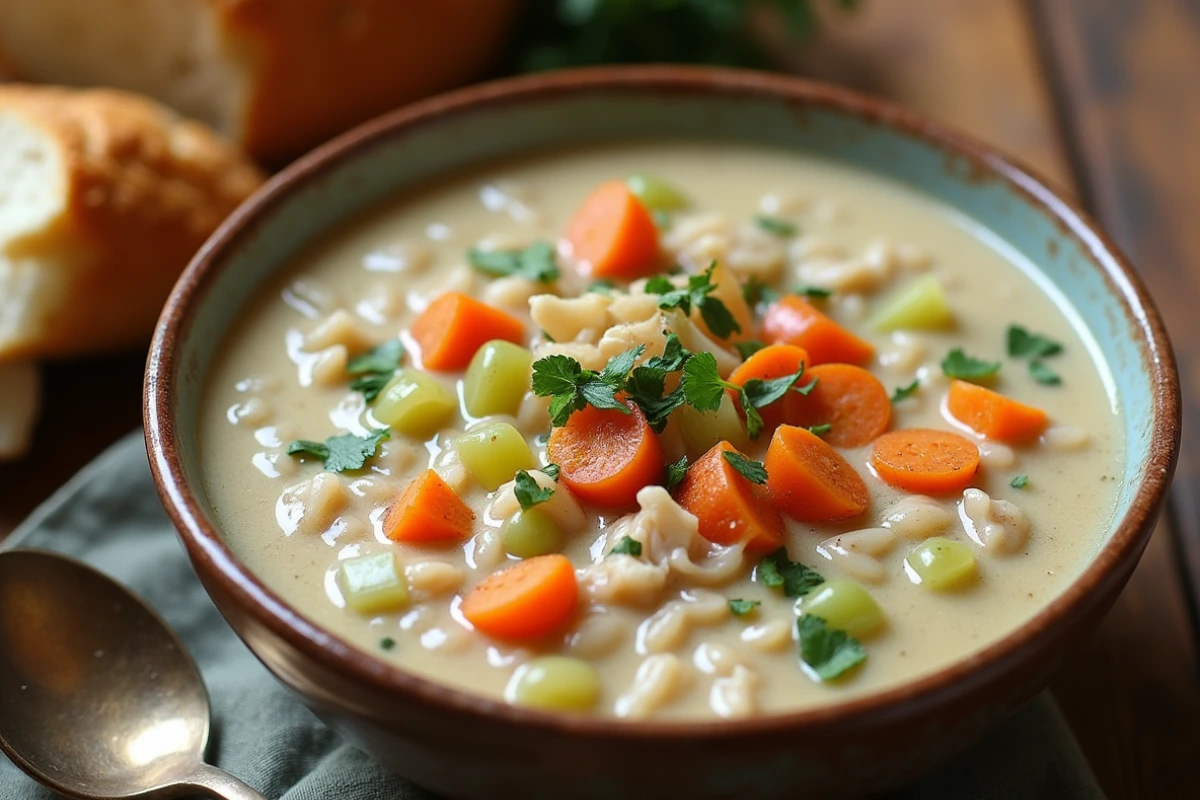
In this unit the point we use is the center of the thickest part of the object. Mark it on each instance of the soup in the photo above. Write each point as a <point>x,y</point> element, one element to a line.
<point>668,430</point>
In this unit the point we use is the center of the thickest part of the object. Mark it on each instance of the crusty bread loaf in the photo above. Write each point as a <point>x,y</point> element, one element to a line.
<point>278,76</point>
<point>104,197</point>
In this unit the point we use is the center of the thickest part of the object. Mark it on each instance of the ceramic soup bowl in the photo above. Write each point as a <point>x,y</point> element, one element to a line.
<point>468,746</point>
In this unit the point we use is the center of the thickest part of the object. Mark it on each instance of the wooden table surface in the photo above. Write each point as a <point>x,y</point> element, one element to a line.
<point>1103,98</point>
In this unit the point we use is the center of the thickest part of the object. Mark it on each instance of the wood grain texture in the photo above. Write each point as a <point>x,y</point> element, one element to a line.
<point>1127,78</point>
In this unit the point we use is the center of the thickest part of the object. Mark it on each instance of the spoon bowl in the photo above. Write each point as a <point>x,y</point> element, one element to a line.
<point>98,698</point>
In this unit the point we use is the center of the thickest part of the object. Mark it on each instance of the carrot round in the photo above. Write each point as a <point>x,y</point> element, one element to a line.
<point>925,460</point>
<point>455,325</point>
<point>994,416</point>
<point>773,361</point>
<point>429,512</point>
<point>847,397</point>
<point>809,480</point>
<point>606,457</point>
<point>793,320</point>
<point>613,235</point>
<point>729,507</point>
<point>527,601</point>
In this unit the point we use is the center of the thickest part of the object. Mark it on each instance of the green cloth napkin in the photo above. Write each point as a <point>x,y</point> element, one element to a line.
<point>109,516</point>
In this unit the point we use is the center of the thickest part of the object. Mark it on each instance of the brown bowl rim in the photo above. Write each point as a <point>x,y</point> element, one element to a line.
<point>212,556</point>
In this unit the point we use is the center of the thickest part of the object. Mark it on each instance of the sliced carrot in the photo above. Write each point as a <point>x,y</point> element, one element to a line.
<point>729,507</point>
<point>847,397</point>
<point>793,320</point>
<point>606,457</point>
<point>527,601</point>
<point>429,512</point>
<point>455,325</point>
<point>994,416</point>
<point>773,361</point>
<point>925,460</point>
<point>809,480</point>
<point>613,235</point>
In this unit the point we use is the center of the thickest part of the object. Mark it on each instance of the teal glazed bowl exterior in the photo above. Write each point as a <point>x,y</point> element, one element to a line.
<point>466,746</point>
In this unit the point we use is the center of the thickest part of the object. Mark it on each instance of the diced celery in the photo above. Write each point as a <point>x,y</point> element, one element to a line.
<point>414,403</point>
<point>941,564</point>
<point>655,193</point>
<point>702,429</point>
<point>556,683</point>
<point>921,304</point>
<point>531,533</point>
<point>497,379</point>
<point>845,606</point>
<point>494,453</point>
<point>374,584</point>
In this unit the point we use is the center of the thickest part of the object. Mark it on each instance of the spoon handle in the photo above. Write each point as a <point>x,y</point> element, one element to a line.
<point>212,782</point>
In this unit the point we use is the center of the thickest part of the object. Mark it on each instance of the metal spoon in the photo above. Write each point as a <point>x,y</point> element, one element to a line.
<point>98,699</point>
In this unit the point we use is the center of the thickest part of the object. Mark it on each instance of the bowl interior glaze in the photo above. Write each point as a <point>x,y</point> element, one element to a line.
<point>1078,266</point>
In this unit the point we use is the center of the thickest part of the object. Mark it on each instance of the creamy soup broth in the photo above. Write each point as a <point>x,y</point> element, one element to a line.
<point>282,375</point>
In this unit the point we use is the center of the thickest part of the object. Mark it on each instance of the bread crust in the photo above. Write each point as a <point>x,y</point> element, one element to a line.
<point>142,189</point>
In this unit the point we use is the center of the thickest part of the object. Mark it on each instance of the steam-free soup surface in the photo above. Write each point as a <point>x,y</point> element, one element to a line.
<point>650,631</point>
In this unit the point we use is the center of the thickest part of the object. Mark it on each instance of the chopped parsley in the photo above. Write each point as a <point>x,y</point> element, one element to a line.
<point>820,430</point>
<point>703,388</point>
<point>1043,374</point>
<point>375,368</point>
<point>528,492</point>
<point>814,292</point>
<point>749,347</point>
<point>552,470</point>
<point>535,262</point>
<point>958,364</point>
<point>602,286</point>
<point>1023,344</point>
<point>696,293</point>
<point>1019,482</point>
<point>676,473</point>
<point>905,392</point>
<point>646,385</point>
<point>572,387</point>
<point>829,653</point>
<point>775,225</point>
<point>628,547</point>
<point>740,608</point>
<point>346,452</point>
<point>751,470</point>
<point>797,580</point>
<point>387,643</point>
<point>754,291</point>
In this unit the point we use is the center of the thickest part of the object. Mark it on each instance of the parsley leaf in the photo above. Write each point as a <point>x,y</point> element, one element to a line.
<point>740,608</point>
<point>958,364</point>
<point>387,643</point>
<point>535,262</point>
<point>628,547</point>
<point>762,393</point>
<point>697,292</point>
<point>702,384</point>
<point>814,292</point>
<point>703,389</point>
<point>375,368</point>
<point>1019,482</point>
<point>829,653</point>
<point>1023,344</point>
<point>775,225</point>
<point>796,579</point>
<point>751,470</point>
<point>754,291</point>
<point>552,470</point>
<point>602,286</point>
<point>822,429</point>
<point>1043,374</point>
<point>528,492</point>
<point>382,358</point>
<point>341,453</point>
<point>676,473</point>
<point>905,392</point>
<point>572,387</point>
<point>749,347</point>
